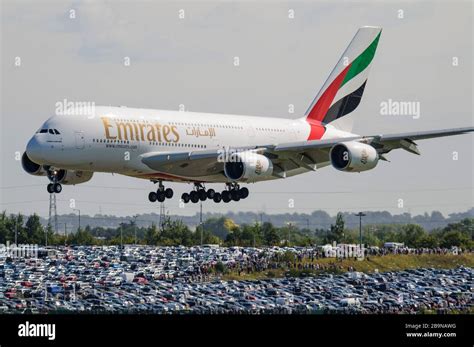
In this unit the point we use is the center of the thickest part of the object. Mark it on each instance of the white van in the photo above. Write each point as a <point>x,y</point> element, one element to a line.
<point>346,302</point>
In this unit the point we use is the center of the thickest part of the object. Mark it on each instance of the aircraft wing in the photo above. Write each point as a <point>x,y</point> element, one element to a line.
<point>193,164</point>
<point>383,143</point>
<point>285,157</point>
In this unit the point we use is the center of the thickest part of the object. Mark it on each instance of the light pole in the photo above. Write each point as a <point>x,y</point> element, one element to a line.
<point>121,236</point>
<point>16,233</point>
<point>135,228</point>
<point>360,215</point>
<point>289,231</point>
<point>255,231</point>
<point>200,220</point>
<point>79,211</point>
<point>373,231</point>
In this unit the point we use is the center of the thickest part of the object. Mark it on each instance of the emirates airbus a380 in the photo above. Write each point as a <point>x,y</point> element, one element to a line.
<point>200,148</point>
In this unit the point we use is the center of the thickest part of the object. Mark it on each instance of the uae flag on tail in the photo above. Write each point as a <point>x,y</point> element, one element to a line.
<point>343,90</point>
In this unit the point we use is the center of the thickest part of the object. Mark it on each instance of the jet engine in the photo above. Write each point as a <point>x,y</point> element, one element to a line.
<point>248,167</point>
<point>69,177</point>
<point>31,167</point>
<point>353,157</point>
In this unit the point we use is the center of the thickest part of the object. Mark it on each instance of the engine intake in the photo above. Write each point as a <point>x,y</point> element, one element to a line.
<point>353,157</point>
<point>31,167</point>
<point>248,167</point>
<point>68,177</point>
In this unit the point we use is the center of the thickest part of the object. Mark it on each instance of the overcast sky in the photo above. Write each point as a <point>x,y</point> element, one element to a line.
<point>282,61</point>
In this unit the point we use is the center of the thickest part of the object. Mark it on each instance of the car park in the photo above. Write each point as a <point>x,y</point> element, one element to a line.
<point>161,280</point>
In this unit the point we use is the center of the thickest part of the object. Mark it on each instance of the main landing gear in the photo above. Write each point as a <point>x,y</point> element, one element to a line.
<point>199,194</point>
<point>161,194</point>
<point>232,192</point>
<point>54,186</point>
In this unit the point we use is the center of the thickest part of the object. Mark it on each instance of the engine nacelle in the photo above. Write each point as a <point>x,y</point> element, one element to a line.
<point>31,167</point>
<point>353,157</point>
<point>248,167</point>
<point>69,177</point>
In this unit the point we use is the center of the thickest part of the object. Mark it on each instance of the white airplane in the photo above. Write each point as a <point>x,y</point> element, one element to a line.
<point>200,148</point>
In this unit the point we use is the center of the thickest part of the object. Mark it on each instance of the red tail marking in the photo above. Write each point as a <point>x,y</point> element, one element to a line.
<point>319,110</point>
<point>317,130</point>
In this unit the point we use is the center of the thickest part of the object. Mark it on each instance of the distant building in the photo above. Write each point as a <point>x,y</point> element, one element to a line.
<point>393,245</point>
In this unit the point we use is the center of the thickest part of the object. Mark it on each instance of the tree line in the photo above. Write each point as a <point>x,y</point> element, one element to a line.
<point>224,231</point>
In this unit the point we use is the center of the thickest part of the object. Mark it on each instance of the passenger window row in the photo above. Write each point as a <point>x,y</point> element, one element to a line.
<point>152,143</point>
<point>210,124</point>
<point>110,141</point>
<point>271,129</point>
<point>177,144</point>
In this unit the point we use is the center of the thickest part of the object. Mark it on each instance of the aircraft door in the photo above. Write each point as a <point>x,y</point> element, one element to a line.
<point>294,131</point>
<point>80,141</point>
<point>251,134</point>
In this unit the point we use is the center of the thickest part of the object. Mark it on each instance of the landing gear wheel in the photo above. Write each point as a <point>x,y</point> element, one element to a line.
<point>194,196</point>
<point>168,193</point>
<point>210,193</point>
<point>243,192</point>
<point>225,196</point>
<point>57,188</point>
<point>185,197</point>
<point>235,195</point>
<point>50,188</point>
<point>202,194</point>
<point>152,197</point>
<point>161,196</point>
<point>217,197</point>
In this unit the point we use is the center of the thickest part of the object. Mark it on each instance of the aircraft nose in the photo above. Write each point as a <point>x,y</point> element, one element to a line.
<point>34,150</point>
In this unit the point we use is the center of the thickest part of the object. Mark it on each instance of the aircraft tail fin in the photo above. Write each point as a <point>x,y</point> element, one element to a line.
<point>343,90</point>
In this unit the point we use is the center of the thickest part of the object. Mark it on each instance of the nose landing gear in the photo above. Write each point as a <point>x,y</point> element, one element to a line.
<point>54,186</point>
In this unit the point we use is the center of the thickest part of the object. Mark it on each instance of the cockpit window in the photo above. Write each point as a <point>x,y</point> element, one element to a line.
<point>51,131</point>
